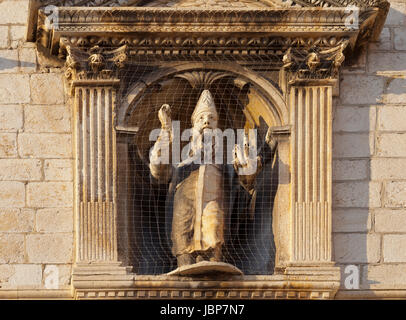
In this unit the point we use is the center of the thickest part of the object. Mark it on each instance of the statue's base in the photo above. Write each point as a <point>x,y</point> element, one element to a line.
<point>206,268</point>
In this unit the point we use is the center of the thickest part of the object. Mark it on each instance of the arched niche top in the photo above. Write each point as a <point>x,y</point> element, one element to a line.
<point>266,101</point>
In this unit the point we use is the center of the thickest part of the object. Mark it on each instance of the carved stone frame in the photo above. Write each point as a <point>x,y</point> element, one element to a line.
<point>305,45</point>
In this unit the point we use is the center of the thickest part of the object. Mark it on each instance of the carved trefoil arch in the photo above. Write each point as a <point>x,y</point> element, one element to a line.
<point>289,51</point>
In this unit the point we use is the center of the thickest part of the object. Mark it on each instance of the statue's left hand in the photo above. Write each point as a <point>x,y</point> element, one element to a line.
<point>164,116</point>
<point>244,163</point>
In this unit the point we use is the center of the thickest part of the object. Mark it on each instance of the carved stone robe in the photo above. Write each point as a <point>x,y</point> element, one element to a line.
<point>198,208</point>
<point>198,201</point>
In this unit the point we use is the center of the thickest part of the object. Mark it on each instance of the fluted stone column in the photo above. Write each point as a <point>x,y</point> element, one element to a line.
<point>309,76</point>
<point>95,170</point>
<point>311,163</point>
<point>93,80</point>
<point>95,151</point>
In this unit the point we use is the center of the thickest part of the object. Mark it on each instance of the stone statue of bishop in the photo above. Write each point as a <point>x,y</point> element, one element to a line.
<point>198,188</point>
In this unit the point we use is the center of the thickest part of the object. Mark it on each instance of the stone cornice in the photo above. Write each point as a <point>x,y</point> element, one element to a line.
<point>340,3</point>
<point>97,20</point>
<point>170,28</point>
<point>305,3</point>
<point>299,56</point>
<point>310,43</point>
<point>381,5</point>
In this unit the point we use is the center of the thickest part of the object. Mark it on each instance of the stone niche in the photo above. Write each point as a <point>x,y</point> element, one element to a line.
<point>272,65</point>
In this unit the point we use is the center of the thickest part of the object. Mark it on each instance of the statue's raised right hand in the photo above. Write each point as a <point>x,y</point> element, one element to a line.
<point>164,116</point>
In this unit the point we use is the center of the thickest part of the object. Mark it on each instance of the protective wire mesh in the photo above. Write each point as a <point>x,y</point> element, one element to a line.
<point>145,208</point>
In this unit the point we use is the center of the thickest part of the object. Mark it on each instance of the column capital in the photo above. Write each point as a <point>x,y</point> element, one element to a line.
<point>93,65</point>
<point>316,64</point>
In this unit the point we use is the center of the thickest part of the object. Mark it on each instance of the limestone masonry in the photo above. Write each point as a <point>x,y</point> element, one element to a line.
<point>43,194</point>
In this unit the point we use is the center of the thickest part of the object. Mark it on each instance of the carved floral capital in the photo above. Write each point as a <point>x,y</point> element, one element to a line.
<point>94,63</point>
<point>312,63</point>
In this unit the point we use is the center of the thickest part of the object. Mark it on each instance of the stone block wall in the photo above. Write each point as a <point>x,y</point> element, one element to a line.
<point>369,168</point>
<point>36,196</point>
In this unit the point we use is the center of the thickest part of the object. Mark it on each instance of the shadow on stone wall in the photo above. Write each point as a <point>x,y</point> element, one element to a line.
<point>11,65</point>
